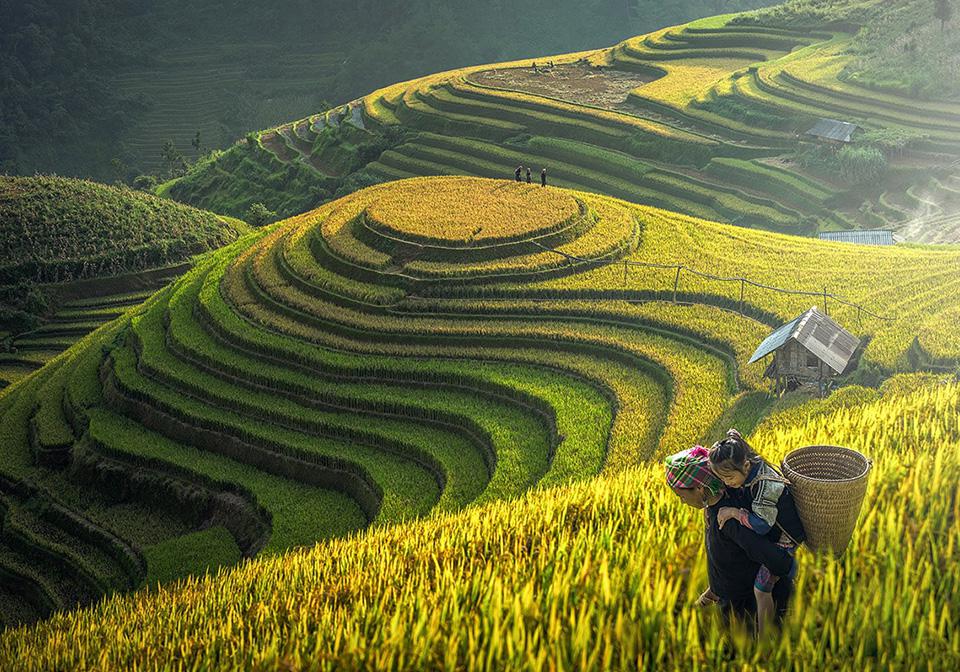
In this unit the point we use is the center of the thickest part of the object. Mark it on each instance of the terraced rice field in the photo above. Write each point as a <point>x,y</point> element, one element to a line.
<point>604,150</point>
<point>220,94</point>
<point>806,83</point>
<point>418,347</point>
<point>91,251</point>
<point>27,352</point>
<point>488,395</point>
<point>700,119</point>
<point>427,419</point>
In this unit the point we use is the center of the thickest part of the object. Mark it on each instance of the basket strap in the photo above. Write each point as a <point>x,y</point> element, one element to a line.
<point>768,477</point>
<point>779,478</point>
<point>787,534</point>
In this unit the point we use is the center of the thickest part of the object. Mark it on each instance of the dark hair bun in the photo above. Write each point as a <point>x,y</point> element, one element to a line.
<point>732,448</point>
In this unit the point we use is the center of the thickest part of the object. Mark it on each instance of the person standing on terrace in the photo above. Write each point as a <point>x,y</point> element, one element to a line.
<point>528,174</point>
<point>517,172</point>
<point>543,177</point>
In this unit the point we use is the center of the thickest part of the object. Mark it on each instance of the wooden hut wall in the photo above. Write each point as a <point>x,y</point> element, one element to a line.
<point>795,360</point>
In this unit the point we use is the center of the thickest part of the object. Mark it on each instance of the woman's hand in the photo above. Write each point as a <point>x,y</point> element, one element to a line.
<point>707,598</point>
<point>727,513</point>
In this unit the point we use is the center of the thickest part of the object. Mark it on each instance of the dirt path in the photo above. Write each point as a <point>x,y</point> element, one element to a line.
<point>583,84</point>
<point>577,83</point>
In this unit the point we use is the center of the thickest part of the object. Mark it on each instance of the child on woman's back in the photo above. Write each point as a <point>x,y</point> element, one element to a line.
<point>772,507</point>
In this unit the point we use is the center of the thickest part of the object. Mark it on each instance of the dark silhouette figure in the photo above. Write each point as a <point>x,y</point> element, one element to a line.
<point>528,176</point>
<point>543,177</point>
<point>517,172</point>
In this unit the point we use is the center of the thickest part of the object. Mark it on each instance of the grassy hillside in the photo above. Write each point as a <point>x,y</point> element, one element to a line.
<point>908,47</point>
<point>75,253</point>
<point>466,356</point>
<point>55,230</point>
<point>95,88</point>
<point>708,119</point>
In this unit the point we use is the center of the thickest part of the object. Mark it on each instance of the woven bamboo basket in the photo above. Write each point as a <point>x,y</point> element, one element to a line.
<point>828,485</point>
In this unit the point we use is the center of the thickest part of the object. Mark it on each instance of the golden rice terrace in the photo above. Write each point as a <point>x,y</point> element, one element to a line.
<point>422,425</point>
<point>470,213</point>
<point>327,375</point>
<point>710,119</point>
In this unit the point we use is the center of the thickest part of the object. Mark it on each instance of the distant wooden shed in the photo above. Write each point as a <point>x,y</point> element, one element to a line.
<point>862,237</point>
<point>809,349</point>
<point>833,131</point>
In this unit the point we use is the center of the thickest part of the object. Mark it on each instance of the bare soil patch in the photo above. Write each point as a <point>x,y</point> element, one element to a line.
<point>578,83</point>
<point>275,144</point>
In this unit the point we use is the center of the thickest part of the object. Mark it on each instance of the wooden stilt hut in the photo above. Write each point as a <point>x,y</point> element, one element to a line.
<point>810,349</point>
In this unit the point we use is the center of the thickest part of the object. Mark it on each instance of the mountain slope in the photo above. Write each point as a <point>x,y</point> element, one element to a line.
<point>95,88</point>
<point>708,119</point>
<point>466,356</point>
<point>75,253</point>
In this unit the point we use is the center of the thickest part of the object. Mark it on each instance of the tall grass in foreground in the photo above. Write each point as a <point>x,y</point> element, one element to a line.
<point>597,575</point>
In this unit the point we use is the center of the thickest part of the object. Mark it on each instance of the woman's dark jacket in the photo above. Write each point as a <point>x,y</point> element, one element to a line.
<point>735,554</point>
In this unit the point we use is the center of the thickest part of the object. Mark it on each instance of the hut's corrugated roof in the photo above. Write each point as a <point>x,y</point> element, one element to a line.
<point>871,237</point>
<point>826,339</point>
<point>775,340</point>
<point>831,129</point>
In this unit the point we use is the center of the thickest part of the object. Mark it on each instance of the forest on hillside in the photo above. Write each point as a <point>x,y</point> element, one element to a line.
<point>77,76</point>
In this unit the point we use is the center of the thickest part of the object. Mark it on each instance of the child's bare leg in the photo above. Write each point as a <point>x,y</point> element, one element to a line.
<point>765,610</point>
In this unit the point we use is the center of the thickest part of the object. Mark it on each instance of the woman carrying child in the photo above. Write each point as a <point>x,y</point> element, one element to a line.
<point>772,513</point>
<point>734,554</point>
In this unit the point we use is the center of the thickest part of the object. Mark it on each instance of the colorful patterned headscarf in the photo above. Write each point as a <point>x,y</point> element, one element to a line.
<point>690,469</point>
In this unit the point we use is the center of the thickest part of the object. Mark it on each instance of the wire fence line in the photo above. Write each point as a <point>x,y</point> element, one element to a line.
<point>744,282</point>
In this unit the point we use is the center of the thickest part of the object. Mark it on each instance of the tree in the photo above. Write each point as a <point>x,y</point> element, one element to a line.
<point>196,142</point>
<point>859,164</point>
<point>174,162</point>
<point>943,10</point>
<point>145,183</point>
<point>259,215</point>
<point>119,168</point>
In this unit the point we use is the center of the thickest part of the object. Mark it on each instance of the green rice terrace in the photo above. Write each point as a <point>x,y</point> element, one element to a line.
<point>187,93</point>
<point>420,420</point>
<point>709,119</point>
<point>76,254</point>
<point>357,365</point>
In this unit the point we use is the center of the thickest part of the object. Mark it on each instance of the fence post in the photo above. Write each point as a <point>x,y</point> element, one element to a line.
<point>676,284</point>
<point>742,283</point>
<point>859,320</point>
<point>826,311</point>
